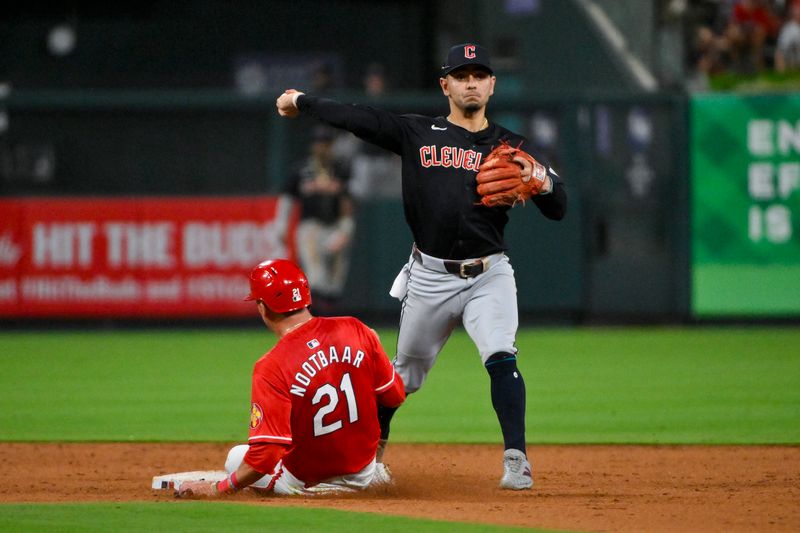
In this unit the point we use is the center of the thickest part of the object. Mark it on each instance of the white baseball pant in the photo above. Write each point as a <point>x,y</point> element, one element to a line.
<point>373,474</point>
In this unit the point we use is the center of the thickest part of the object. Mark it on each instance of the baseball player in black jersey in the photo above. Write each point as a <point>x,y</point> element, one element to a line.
<point>457,270</point>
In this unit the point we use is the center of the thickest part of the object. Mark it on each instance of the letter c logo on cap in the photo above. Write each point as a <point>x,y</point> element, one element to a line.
<point>469,51</point>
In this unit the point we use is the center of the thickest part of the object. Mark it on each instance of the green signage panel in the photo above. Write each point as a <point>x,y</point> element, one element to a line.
<point>745,184</point>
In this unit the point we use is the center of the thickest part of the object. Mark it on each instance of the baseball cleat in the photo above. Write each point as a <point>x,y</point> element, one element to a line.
<point>383,476</point>
<point>516,471</point>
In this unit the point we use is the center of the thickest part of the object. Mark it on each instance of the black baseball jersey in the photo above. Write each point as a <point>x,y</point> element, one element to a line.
<point>320,190</point>
<point>440,161</point>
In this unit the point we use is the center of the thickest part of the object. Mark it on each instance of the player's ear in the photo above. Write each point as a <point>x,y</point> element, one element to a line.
<point>491,85</point>
<point>443,85</point>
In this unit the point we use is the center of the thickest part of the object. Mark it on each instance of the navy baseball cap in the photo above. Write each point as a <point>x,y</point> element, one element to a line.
<point>465,54</point>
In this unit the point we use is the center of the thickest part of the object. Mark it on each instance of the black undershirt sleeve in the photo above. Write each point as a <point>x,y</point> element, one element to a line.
<point>373,125</point>
<point>553,205</point>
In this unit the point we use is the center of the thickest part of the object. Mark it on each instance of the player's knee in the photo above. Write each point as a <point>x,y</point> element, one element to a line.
<point>235,457</point>
<point>501,364</point>
<point>413,370</point>
<point>415,387</point>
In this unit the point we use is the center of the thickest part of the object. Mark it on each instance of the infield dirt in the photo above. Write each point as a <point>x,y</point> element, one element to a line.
<point>577,488</point>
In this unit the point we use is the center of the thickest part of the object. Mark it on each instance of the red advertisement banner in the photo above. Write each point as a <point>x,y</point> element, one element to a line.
<point>134,257</point>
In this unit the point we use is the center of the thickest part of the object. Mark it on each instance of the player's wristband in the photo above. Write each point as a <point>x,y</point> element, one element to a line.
<point>550,189</point>
<point>228,484</point>
<point>295,96</point>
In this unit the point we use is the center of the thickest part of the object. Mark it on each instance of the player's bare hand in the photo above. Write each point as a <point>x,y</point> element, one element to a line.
<point>195,489</point>
<point>527,168</point>
<point>286,103</point>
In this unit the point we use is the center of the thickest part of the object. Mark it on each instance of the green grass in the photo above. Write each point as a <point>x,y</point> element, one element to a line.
<point>648,385</point>
<point>610,385</point>
<point>605,385</point>
<point>201,517</point>
<point>127,385</point>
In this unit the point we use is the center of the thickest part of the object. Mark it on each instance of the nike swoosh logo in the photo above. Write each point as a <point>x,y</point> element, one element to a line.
<point>434,127</point>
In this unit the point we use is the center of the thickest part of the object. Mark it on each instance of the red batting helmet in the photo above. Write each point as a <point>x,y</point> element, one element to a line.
<point>281,285</point>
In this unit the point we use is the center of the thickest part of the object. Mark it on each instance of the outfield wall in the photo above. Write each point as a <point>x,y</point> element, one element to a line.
<point>745,205</point>
<point>625,250</point>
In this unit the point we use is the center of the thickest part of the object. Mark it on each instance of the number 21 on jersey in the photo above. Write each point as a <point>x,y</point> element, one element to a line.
<point>332,394</point>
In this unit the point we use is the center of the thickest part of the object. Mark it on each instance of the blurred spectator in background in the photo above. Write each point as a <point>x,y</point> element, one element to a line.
<point>322,78</point>
<point>375,83</point>
<point>711,53</point>
<point>374,172</point>
<point>752,26</point>
<point>707,45</point>
<point>787,51</point>
<point>326,225</point>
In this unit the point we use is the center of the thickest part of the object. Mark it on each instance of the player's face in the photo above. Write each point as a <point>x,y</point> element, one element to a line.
<point>468,88</point>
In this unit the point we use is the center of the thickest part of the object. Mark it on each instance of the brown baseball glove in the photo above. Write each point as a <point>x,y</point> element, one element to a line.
<point>509,175</point>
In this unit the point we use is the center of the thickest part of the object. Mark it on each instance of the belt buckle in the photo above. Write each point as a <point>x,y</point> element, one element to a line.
<point>463,266</point>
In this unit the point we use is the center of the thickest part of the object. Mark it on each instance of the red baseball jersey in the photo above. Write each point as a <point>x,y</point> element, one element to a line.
<point>316,391</point>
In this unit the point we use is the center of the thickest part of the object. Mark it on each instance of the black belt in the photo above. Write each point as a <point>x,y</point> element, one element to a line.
<point>463,269</point>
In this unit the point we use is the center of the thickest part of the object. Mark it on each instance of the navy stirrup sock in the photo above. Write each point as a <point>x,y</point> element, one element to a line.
<point>508,398</point>
<point>385,415</point>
